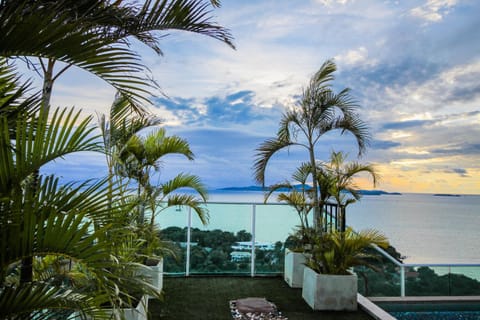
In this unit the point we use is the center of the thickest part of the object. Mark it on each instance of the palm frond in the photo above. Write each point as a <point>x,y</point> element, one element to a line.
<point>263,154</point>
<point>183,180</point>
<point>158,144</point>
<point>14,101</point>
<point>73,41</point>
<point>192,202</point>
<point>185,15</point>
<point>39,300</point>
<point>324,75</point>
<point>50,140</point>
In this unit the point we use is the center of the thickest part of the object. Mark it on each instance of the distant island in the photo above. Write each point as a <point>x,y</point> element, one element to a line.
<point>445,195</point>
<point>298,187</point>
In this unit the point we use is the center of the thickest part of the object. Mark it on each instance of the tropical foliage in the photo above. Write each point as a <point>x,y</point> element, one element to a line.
<point>337,180</point>
<point>342,174</point>
<point>69,247</point>
<point>320,110</point>
<point>336,252</point>
<point>135,157</point>
<point>42,220</point>
<point>96,36</point>
<point>298,194</point>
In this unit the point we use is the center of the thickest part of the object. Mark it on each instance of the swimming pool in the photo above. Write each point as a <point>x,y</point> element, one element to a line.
<point>438,310</point>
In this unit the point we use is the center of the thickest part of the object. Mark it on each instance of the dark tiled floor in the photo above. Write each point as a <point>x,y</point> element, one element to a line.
<point>208,297</point>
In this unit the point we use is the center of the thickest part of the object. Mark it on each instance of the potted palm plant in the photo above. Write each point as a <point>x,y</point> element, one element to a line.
<point>299,196</point>
<point>328,283</point>
<point>133,159</point>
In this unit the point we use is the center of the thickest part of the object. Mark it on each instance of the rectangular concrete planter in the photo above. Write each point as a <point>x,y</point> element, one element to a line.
<point>140,312</point>
<point>293,268</point>
<point>329,292</point>
<point>155,274</point>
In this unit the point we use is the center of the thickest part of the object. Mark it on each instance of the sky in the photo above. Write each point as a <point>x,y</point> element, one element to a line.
<point>413,66</point>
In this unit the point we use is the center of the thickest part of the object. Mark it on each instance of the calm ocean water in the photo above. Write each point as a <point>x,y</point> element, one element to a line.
<point>423,227</point>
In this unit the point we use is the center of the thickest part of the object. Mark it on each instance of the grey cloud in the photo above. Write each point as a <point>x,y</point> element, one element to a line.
<point>459,149</point>
<point>382,144</point>
<point>460,171</point>
<point>235,108</point>
<point>406,124</point>
<point>467,92</point>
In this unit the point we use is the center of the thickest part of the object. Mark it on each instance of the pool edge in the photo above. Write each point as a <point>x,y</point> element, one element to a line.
<point>372,309</point>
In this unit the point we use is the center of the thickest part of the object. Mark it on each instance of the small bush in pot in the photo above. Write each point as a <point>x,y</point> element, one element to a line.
<point>327,281</point>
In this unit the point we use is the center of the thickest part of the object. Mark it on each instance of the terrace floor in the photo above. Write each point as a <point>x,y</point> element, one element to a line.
<point>208,298</point>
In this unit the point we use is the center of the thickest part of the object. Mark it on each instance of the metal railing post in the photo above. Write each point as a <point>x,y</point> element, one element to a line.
<point>402,281</point>
<point>449,280</point>
<point>252,260</point>
<point>189,234</point>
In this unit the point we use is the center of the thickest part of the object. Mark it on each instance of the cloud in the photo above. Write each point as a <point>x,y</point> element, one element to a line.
<point>458,149</point>
<point>414,69</point>
<point>460,171</point>
<point>238,108</point>
<point>379,144</point>
<point>433,10</point>
<point>355,57</point>
<point>330,3</point>
<point>405,124</point>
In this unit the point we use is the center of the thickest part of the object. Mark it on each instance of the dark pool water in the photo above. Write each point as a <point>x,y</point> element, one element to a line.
<point>436,315</point>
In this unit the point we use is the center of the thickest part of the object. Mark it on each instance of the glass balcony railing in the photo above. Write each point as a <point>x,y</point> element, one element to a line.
<point>435,279</point>
<point>249,238</point>
<point>224,246</point>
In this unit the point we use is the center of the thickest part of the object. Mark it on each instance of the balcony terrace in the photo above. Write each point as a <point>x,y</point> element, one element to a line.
<point>208,298</point>
<point>209,270</point>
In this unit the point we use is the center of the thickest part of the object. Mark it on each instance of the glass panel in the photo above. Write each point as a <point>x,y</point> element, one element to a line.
<point>172,222</point>
<point>385,281</point>
<point>224,245</point>
<point>427,281</point>
<point>272,229</point>
<point>464,281</point>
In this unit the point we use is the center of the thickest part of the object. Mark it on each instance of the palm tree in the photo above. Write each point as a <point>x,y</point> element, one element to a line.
<point>299,195</point>
<point>320,111</point>
<point>123,122</point>
<point>45,219</point>
<point>95,35</point>
<point>137,161</point>
<point>342,175</point>
<point>142,156</point>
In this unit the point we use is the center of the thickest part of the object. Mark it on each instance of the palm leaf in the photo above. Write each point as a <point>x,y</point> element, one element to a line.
<point>183,180</point>
<point>185,15</point>
<point>189,201</point>
<point>264,152</point>
<point>58,36</point>
<point>13,99</point>
<point>46,141</point>
<point>33,300</point>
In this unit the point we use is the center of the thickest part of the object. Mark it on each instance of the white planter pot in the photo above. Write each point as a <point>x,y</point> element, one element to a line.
<point>293,268</point>
<point>138,313</point>
<point>155,274</point>
<point>329,292</point>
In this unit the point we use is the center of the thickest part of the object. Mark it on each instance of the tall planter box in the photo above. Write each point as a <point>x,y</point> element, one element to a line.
<point>154,274</point>
<point>140,312</point>
<point>329,292</point>
<point>293,268</point>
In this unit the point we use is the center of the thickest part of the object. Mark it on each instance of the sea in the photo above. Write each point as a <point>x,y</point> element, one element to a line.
<point>424,228</point>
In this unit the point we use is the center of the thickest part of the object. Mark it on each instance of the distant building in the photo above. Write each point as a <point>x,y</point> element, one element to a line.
<point>184,244</point>
<point>239,256</point>
<point>247,246</point>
